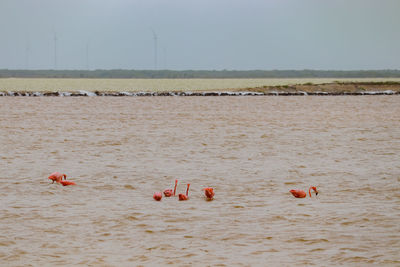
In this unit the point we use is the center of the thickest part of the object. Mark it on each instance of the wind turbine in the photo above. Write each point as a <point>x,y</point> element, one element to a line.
<point>55,50</point>
<point>155,48</point>
<point>27,51</point>
<point>87,55</point>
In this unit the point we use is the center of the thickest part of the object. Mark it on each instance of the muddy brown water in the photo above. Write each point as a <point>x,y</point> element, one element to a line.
<point>252,150</point>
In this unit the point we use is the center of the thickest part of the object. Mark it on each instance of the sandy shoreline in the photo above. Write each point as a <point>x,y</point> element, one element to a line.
<point>334,88</point>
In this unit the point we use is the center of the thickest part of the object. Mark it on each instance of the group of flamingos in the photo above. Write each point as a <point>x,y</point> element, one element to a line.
<point>208,191</point>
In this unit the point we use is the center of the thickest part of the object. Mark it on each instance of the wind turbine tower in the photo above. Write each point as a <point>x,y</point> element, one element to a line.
<point>87,56</point>
<point>27,51</point>
<point>55,50</point>
<point>155,48</point>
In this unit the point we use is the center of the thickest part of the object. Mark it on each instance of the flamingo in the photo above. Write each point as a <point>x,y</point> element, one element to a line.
<point>57,177</point>
<point>209,192</point>
<point>169,192</point>
<point>157,196</point>
<point>185,197</point>
<point>301,194</point>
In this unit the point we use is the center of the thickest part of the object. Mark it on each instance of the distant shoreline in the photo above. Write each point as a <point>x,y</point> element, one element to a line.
<point>324,89</point>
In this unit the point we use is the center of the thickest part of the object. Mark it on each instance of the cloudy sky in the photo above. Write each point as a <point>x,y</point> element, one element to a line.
<point>200,34</point>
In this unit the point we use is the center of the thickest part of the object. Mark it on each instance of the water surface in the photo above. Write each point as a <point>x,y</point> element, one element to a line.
<point>252,150</point>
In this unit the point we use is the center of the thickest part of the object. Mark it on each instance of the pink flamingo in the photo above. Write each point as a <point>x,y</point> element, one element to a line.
<point>57,177</point>
<point>185,197</point>
<point>157,196</point>
<point>169,192</point>
<point>209,193</point>
<point>301,194</point>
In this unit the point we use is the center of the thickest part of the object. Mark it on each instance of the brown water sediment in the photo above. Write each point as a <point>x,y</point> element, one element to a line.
<point>252,150</point>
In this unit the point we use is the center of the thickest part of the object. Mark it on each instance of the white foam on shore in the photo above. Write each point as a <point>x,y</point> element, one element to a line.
<point>127,93</point>
<point>87,93</point>
<point>193,93</point>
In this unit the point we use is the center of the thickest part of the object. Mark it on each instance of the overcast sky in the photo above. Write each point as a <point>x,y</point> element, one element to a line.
<point>200,34</point>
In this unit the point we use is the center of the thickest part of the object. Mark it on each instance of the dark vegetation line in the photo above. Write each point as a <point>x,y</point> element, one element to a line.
<point>215,93</point>
<point>201,74</point>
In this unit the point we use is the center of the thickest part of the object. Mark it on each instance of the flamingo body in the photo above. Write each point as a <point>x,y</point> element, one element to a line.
<point>169,192</point>
<point>184,197</point>
<point>65,183</point>
<point>157,196</point>
<point>298,193</point>
<point>209,193</point>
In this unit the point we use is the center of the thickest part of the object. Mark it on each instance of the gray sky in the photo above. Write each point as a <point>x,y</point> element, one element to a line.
<point>200,34</point>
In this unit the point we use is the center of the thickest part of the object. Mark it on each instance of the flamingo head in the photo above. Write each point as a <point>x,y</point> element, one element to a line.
<point>314,189</point>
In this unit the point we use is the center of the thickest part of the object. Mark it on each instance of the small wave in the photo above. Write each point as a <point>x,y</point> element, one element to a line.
<point>130,187</point>
<point>308,241</point>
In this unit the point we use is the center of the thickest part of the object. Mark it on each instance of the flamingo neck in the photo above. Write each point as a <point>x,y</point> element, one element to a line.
<point>65,176</point>
<point>313,188</point>
<point>187,190</point>
<point>176,182</point>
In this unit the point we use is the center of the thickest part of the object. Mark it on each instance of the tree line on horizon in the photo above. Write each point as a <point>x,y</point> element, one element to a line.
<point>197,74</point>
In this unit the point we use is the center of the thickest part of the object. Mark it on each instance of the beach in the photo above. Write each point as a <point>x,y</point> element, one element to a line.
<point>208,87</point>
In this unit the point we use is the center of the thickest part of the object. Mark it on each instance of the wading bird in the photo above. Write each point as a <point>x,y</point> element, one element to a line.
<point>169,192</point>
<point>209,193</point>
<point>57,177</point>
<point>185,197</point>
<point>301,194</point>
<point>157,196</point>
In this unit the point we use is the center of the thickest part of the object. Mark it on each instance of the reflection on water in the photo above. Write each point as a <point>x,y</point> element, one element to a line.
<point>252,150</point>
